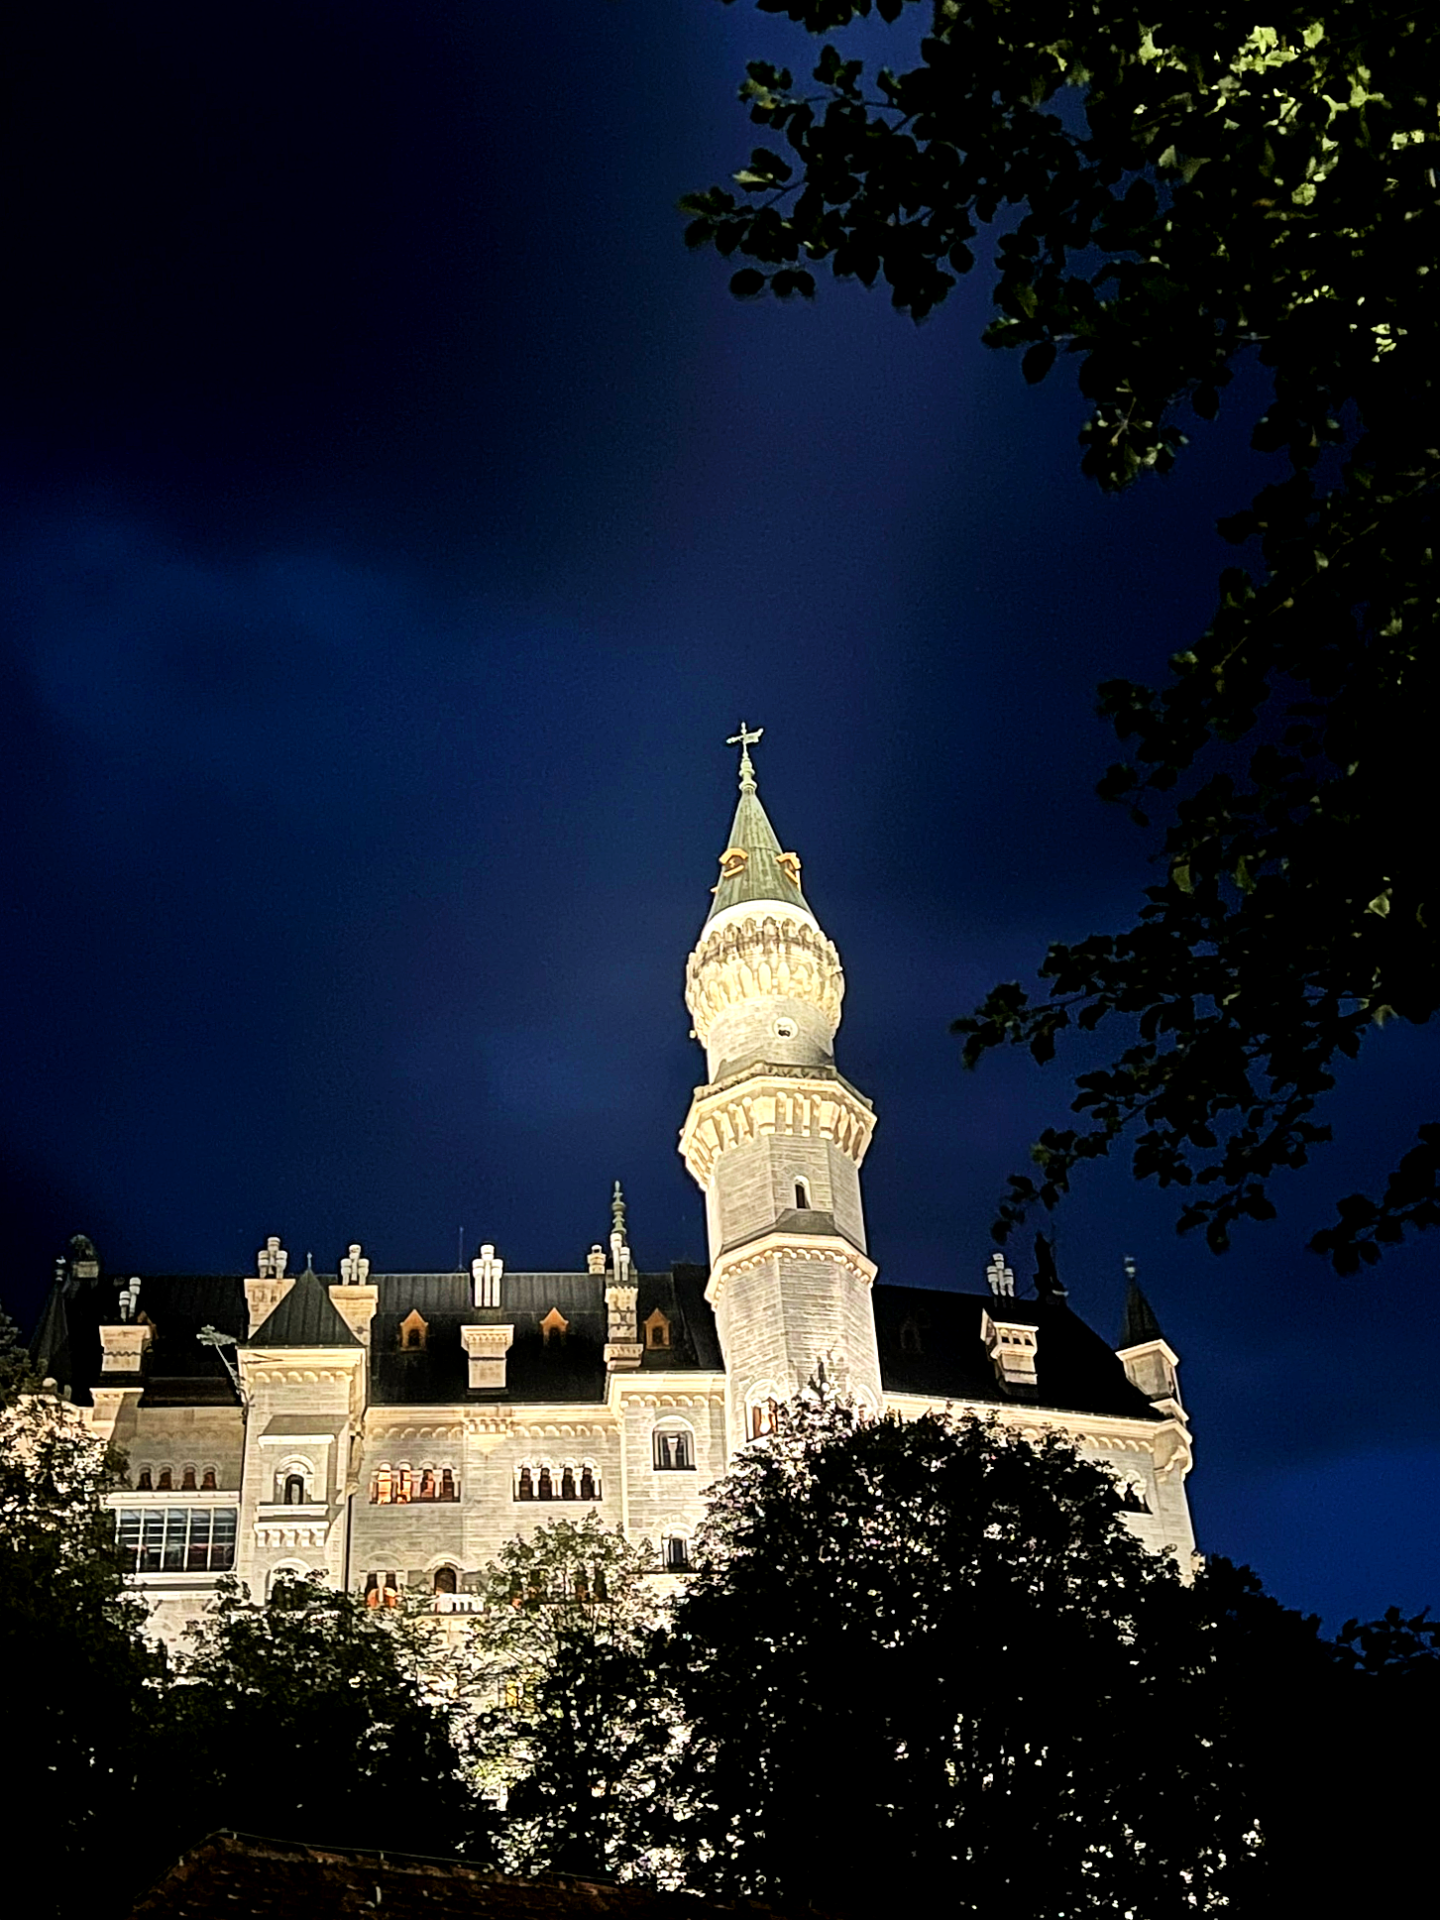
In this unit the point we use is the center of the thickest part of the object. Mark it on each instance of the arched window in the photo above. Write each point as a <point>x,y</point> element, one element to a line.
<point>187,1480</point>
<point>674,1450</point>
<point>166,1482</point>
<point>447,1484</point>
<point>525,1484</point>
<point>294,1490</point>
<point>567,1482</point>
<point>207,1480</point>
<point>589,1485</point>
<point>445,1580</point>
<point>382,1590</point>
<point>1132,1494</point>
<point>764,1417</point>
<point>143,1483</point>
<point>382,1487</point>
<point>414,1332</point>
<point>677,1553</point>
<point>546,1489</point>
<point>428,1486</point>
<point>802,1194</point>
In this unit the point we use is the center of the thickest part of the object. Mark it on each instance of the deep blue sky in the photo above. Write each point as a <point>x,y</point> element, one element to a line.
<point>398,520</point>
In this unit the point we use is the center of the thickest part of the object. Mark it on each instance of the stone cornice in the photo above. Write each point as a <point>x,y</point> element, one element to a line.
<point>801,1105</point>
<point>1104,1432</point>
<point>764,952</point>
<point>787,1246</point>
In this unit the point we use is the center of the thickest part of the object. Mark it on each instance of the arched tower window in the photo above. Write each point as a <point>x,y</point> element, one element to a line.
<point>294,1490</point>
<point>802,1194</point>
<point>445,1580</point>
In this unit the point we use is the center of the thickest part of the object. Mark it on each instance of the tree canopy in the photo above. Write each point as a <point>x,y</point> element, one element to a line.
<point>1179,192</point>
<point>579,1720</point>
<point>316,1718</point>
<point>928,1660</point>
<point>82,1683</point>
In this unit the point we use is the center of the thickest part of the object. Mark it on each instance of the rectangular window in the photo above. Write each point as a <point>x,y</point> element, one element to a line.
<point>176,1539</point>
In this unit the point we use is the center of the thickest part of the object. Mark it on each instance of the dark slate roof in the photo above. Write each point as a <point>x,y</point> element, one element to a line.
<point>306,1317</point>
<point>179,1371</point>
<point>930,1343</point>
<point>571,1368</point>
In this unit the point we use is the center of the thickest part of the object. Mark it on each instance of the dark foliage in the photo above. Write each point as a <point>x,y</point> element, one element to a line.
<point>1211,192</point>
<point>928,1661</point>
<point>82,1684</point>
<point>312,1718</point>
<point>580,1720</point>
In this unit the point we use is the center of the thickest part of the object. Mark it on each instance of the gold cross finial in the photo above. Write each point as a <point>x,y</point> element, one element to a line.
<point>745,739</point>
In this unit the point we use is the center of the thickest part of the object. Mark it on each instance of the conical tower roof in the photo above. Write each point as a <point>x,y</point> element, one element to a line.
<point>753,865</point>
<point>1139,1326</point>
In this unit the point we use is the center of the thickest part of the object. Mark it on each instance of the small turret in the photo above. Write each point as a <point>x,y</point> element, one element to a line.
<point>1150,1362</point>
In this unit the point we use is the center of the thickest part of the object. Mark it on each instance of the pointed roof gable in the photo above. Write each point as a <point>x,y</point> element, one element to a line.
<point>306,1317</point>
<point>1139,1326</point>
<point>765,872</point>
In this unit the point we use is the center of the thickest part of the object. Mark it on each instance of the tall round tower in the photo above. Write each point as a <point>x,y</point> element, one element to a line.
<point>775,1137</point>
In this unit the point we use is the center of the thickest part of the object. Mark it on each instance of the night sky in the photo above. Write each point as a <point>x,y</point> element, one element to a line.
<point>398,520</point>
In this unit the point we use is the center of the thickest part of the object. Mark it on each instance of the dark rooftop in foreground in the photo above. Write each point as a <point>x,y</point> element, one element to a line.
<point>232,1873</point>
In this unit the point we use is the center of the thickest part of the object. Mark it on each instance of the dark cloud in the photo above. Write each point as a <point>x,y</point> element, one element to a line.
<point>404,520</point>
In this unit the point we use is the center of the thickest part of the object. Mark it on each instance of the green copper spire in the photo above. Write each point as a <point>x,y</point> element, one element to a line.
<point>753,866</point>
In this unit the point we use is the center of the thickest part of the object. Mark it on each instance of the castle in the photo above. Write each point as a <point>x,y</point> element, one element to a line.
<point>393,1429</point>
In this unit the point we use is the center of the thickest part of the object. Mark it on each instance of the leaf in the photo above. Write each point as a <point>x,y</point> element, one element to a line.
<point>1038,361</point>
<point>747,283</point>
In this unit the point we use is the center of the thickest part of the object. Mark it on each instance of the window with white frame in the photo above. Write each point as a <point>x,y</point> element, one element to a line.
<point>675,1553</point>
<point>176,1539</point>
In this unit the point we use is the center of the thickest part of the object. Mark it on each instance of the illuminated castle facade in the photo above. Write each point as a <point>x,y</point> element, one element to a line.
<point>392,1429</point>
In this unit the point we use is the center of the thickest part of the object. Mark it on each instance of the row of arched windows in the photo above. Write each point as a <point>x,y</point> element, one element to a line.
<point>541,1480</point>
<point>398,1486</point>
<point>382,1589</point>
<point>185,1479</point>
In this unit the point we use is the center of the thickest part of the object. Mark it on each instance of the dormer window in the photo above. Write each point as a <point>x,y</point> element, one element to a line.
<point>657,1330</point>
<point>414,1331</point>
<point>554,1326</point>
<point>910,1341</point>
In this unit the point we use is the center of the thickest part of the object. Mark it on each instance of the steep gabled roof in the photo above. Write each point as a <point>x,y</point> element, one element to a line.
<point>306,1317</point>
